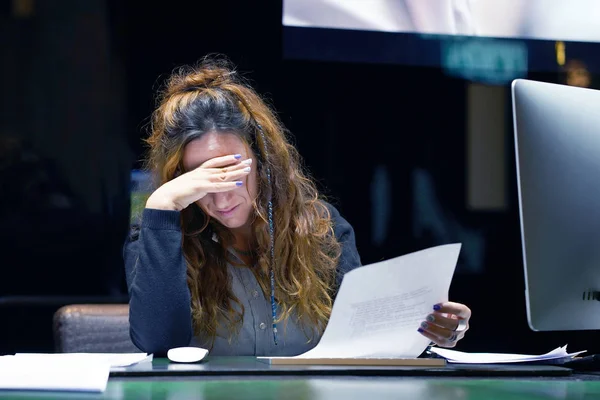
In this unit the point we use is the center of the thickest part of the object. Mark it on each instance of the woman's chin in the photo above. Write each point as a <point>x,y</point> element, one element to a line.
<point>233,223</point>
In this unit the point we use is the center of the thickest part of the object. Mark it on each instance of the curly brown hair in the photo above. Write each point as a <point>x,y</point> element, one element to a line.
<point>211,96</point>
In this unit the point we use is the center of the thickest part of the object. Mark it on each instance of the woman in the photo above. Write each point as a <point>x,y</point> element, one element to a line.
<point>236,250</point>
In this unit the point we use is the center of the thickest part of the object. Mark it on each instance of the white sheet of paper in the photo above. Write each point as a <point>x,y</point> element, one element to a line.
<point>31,373</point>
<point>379,307</point>
<point>454,356</point>
<point>113,359</point>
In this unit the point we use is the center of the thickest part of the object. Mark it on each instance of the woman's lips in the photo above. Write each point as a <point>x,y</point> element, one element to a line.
<point>228,212</point>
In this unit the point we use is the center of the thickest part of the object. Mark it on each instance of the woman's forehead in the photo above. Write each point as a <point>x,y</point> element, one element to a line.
<point>211,145</point>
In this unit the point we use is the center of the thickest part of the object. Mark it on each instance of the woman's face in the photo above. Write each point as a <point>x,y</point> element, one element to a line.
<point>234,208</point>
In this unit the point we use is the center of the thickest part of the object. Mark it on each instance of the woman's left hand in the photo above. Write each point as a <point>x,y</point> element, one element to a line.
<point>447,324</point>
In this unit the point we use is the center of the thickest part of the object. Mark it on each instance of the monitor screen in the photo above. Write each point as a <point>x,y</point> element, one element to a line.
<point>140,190</point>
<point>557,148</point>
<point>502,36</point>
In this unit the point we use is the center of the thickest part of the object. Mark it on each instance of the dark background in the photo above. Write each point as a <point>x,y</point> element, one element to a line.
<point>78,82</point>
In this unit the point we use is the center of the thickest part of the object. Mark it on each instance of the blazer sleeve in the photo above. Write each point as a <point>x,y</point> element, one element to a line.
<point>344,233</point>
<point>159,297</point>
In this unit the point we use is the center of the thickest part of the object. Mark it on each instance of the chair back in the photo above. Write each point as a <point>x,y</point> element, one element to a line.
<point>93,328</point>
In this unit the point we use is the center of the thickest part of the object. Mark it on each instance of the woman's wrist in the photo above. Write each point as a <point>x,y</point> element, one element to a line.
<point>161,203</point>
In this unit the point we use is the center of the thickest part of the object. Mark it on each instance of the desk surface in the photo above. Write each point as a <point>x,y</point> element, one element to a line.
<point>316,386</point>
<point>309,388</point>
<point>250,366</point>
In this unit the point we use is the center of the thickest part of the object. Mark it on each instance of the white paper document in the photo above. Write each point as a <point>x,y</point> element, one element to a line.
<point>453,356</point>
<point>379,307</point>
<point>113,359</point>
<point>28,373</point>
<point>81,372</point>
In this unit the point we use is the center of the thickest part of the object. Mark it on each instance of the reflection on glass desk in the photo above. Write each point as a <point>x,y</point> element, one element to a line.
<point>245,378</point>
<point>316,388</point>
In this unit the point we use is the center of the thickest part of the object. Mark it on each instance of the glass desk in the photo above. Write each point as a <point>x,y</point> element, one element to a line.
<point>245,378</point>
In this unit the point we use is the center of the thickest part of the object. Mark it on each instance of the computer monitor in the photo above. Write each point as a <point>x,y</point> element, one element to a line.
<point>140,189</point>
<point>487,40</point>
<point>557,145</point>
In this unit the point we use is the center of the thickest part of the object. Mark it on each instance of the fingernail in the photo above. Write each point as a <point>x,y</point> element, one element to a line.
<point>248,161</point>
<point>239,183</point>
<point>430,318</point>
<point>420,330</point>
<point>424,325</point>
<point>237,156</point>
<point>247,169</point>
<point>437,307</point>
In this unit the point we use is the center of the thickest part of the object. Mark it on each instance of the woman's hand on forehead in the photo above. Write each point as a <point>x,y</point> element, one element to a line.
<point>219,174</point>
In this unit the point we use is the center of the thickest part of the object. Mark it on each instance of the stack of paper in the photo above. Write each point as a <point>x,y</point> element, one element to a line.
<point>453,356</point>
<point>113,359</point>
<point>379,308</point>
<point>85,372</point>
